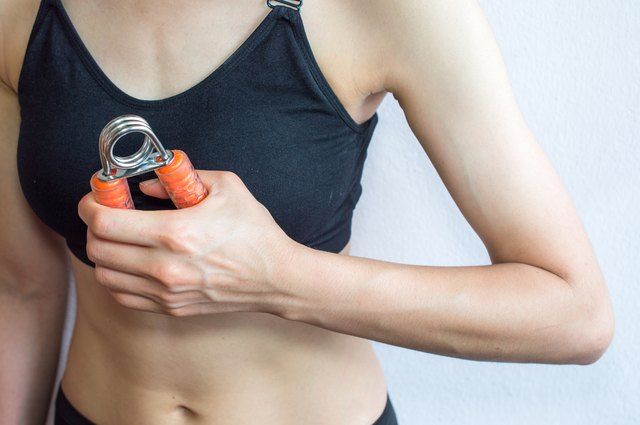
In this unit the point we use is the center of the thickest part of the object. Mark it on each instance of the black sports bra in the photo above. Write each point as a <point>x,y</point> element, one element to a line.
<point>267,114</point>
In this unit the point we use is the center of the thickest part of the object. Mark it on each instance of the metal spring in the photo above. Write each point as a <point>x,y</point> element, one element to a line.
<point>145,159</point>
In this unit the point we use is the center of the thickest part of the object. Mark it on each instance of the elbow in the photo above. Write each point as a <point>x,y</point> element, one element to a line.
<point>596,334</point>
<point>596,343</point>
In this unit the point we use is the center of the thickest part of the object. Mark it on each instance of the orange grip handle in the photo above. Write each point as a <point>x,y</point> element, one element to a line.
<point>113,193</point>
<point>181,181</point>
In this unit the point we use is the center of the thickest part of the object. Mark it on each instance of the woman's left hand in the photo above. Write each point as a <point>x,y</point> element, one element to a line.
<point>221,255</point>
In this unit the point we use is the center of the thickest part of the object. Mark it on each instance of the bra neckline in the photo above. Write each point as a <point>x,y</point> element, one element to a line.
<point>213,77</point>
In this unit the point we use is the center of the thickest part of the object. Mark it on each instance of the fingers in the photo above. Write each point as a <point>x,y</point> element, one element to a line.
<point>154,188</point>
<point>138,227</point>
<point>139,293</point>
<point>147,263</point>
<point>120,256</point>
<point>217,180</point>
<point>137,302</point>
<point>116,281</point>
<point>141,227</point>
<point>144,227</point>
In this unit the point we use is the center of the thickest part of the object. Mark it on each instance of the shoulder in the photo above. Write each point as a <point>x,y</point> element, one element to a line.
<point>16,21</point>
<point>414,36</point>
<point>380,38</point>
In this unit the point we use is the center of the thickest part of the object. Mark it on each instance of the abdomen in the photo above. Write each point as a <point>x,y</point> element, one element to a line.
<point>142,367</point>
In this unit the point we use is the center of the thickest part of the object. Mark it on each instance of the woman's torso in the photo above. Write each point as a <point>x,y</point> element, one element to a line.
<point>127,366</point>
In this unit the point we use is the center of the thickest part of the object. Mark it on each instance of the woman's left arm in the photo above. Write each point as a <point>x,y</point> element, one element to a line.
<point>543,299</point>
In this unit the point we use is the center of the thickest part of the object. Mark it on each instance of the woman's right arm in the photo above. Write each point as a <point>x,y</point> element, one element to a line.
<point>33,288</point>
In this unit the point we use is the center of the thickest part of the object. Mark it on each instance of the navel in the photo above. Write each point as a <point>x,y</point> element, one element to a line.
<point>185,411</point>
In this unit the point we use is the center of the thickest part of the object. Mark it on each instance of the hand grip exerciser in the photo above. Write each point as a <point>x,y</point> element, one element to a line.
<point>173,168</point>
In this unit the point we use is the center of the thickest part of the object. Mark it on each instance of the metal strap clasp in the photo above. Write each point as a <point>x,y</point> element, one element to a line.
<point>288,3</point>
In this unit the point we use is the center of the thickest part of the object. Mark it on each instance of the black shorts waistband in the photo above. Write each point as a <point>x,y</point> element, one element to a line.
<point>66,414</point>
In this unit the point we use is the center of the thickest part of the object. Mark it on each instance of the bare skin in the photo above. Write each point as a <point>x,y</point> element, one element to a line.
<point>308,362</point>
<point>236,366</point>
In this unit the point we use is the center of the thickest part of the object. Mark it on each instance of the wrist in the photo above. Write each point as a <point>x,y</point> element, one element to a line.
<point>286,279</point>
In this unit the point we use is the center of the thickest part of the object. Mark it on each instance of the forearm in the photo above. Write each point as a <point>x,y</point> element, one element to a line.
<point>30,331</point>
<point>503,312</point>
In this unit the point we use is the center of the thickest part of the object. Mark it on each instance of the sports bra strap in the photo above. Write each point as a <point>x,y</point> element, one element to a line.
<point>293,4</point>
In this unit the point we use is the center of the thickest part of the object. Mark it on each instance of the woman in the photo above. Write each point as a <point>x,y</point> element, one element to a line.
<point>246,307</point>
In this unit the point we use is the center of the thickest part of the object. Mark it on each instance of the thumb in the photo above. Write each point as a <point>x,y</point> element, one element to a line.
<point>154,188</point>
<point>211,178</point>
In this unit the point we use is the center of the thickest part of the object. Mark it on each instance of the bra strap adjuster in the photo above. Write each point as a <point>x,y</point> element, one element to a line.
<point>287,3</point>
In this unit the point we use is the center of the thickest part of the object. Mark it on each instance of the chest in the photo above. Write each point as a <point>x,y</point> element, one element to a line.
<point>151,50</point>
<point>266,113</point>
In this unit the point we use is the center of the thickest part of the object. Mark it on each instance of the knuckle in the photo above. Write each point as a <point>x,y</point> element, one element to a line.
<point>99,224</point>
<point>213,294</point>
<point>166,238</point>
<point>168,299</point>
<point>102,275</point>
<point>82,204</point>
<point>184,242</point>
<point>93,250</point>
<point>168,274</point>
<point>120,297</point>
<point>174,311</point>
<point>231,177</point>
<point>179,238</point>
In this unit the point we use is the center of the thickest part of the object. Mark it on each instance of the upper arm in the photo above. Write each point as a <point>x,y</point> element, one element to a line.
<point>32,256</point>
<point>16,22</point>
<point>446,71</point>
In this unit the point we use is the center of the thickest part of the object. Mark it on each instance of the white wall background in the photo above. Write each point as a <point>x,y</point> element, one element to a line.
<point>575,68</point>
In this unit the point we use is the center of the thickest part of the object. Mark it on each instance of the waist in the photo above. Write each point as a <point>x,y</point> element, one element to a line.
<point>152,365</point>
